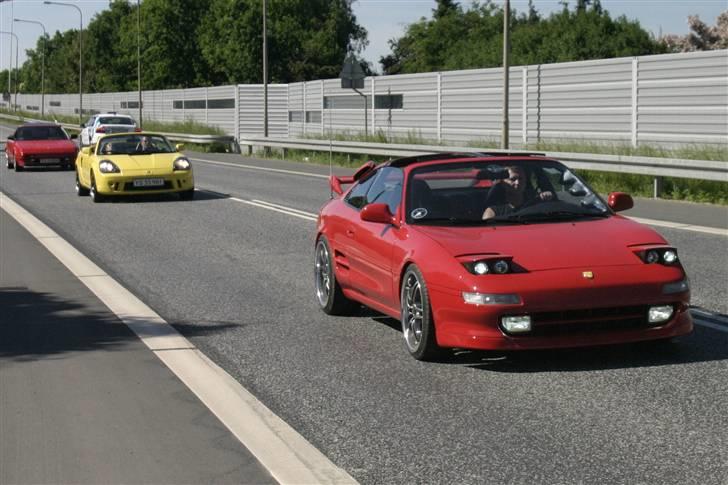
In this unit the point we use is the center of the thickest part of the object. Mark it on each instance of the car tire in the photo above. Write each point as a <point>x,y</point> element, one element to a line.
<point>418,326</point>
<point>81,191</point>
<point>329,295</point>
<point>94,193</point>
<point>18,168</point>
<point>8,163</point>
<point>187,194</point>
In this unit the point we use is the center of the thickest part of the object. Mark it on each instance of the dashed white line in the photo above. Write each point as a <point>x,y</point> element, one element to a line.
<point>263,169</point>
<point>685,227</point>
<point>288,211</point>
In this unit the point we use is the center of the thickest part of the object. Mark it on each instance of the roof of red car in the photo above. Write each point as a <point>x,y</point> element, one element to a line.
<point>465,156</point>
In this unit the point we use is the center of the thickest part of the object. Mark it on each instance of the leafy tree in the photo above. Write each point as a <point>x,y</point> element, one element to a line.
<point>472,38</point>
<point>307,39</point>
<point>702,36</point>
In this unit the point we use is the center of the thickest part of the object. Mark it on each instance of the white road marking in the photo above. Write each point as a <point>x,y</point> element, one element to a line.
<point>280,449</point>
<point>685,227</point>
<point>286,210</point>
<point>264,169</point>
<point>309,214</point>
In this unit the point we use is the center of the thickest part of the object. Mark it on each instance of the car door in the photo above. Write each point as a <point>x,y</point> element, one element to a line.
<point>372,243</point>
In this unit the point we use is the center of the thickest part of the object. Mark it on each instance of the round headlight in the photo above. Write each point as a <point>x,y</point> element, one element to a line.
<point>501,266</point>
<point>480,267</point>
<point>107,166</point>
<point>669,256</point>
<point>182,164</point>
<point>652,256</point>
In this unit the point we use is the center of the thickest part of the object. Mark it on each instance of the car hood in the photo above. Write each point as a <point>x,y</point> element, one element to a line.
<point>585,243</point>
<point>152,161</point>
<point>41,147</point>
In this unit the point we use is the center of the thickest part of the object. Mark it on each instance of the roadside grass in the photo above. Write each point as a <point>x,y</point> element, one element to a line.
<point>187,126</point>
<point>703,191</point>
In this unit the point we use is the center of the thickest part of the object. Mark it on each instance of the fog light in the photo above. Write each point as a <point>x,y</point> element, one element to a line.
<point>491,299</point>
<point>518,324</point>
<point>659,314</point>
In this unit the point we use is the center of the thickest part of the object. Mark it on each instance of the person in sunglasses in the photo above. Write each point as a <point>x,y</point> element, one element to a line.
<point>514,193</point>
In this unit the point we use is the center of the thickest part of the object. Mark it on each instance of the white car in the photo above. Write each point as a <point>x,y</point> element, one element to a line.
<point>103,124</point>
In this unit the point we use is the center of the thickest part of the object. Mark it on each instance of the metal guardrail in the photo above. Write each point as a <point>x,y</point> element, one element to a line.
<point>653,166</point>
<point>175,137</point>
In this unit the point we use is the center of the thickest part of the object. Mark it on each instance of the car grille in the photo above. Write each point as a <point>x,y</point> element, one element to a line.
<point>129,187</point>
<point>591,320</point>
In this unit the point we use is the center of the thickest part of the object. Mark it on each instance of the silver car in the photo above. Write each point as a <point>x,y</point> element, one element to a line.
<point>104,124</point>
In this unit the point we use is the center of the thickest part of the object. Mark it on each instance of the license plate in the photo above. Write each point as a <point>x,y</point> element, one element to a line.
<point>50,160</point>
<point>148,182</point>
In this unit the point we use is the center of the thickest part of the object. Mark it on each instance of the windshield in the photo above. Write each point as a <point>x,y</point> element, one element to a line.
<point>507,192</point>
<point>134,145</point>
<point>40,133</point>
<point>116,120</point>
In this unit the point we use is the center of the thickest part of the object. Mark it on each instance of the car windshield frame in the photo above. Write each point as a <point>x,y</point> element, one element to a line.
<point>130,144</point>
<point>458,193</point>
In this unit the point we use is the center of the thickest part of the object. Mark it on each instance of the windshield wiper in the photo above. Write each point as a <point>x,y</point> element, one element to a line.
<point>555,215</point>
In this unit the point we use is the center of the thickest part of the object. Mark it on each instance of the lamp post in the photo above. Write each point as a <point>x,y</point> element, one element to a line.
<point>506,65</point>
<point>10,55</point>
<point>11,67</point>
<point>42,68</point>
<point>80,56</point>
<point>265,68</point>
<point>139,58</point>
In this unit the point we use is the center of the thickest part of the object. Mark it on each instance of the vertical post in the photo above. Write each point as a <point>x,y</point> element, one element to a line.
<point>322,106</point>
<point>439,107</point>
<point>506,49</point>
<point>635,67</point>
<point>10,57</point>
<point>237,113</point>
<point>265,69</point>
<point>374,80</point>
<point>657,187</point>
<point>524,110</point>
<point>139,58</point>
<point>42,75</point>
<point>304,120</point>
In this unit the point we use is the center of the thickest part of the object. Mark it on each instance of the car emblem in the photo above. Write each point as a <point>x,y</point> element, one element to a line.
<point>419,213</point>
<point>588,275</point>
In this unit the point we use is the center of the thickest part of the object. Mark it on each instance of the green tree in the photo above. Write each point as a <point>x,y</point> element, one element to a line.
<point>472,38</point>
<point>307,39</point>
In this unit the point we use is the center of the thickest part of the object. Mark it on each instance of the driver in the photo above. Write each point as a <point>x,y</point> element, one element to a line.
<point>145,145</point>
<point>514,188</point>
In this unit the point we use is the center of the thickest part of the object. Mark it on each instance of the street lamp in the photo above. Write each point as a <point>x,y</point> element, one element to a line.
<point>15,104</point>
<point>139,58</point>
<point>10,55</point>
<point>80,56</point>
<point>42,68</point>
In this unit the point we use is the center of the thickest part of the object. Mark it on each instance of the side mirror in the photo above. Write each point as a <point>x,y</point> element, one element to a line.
<point>73,136</point>
<point>179,146</point>
<point>11,137</point>
<point>619,201</point>
<point>377,213</point>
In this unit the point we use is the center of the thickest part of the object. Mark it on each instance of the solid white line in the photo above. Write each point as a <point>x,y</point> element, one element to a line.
<point>280,449</point>
<point>684,227</point>
<point>282,211</point>
<point>264,169</point>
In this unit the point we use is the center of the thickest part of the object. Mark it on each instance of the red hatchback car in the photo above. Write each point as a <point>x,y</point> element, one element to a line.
<point>487,251</point>
<point>40,145</point>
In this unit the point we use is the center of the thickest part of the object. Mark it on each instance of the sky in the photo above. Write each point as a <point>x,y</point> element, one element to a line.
<point>383,19</point>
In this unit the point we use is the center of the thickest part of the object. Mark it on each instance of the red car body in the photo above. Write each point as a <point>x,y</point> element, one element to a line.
<point>582,281</point>
<point>40,145</point>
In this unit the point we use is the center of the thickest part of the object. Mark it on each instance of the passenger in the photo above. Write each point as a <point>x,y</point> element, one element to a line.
<point>515,194</point>
<point>106,150</point>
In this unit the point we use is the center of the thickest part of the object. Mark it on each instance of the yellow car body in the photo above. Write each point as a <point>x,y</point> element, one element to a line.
<point>122,164</point>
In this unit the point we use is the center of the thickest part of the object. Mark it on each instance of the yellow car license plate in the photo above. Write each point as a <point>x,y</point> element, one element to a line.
<point>148,182</point>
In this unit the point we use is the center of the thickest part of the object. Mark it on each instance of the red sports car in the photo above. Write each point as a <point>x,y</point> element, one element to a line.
<point>488,251</point>
<point>40,145</point>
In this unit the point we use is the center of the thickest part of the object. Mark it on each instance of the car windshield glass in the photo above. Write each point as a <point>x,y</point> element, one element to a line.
<point>499,192</point>
<point>116,120</point>
<point>40,133</point>
<point>134,145</point>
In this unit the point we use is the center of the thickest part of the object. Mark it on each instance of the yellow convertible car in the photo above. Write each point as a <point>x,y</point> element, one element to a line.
<point>133,163</point>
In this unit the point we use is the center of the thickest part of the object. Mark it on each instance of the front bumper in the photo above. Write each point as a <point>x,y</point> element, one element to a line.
<point>123,184</point>
<point>566,310</point>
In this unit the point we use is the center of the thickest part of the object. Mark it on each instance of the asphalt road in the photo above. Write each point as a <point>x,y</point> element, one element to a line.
<point>237,280</point>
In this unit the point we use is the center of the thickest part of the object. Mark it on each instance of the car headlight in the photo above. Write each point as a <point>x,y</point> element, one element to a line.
<point>666,256</point>
<point>182,163</point>
<point>659,314</point>
<point>498,266</point>
<point>107,166</point>
<point>676,287</point>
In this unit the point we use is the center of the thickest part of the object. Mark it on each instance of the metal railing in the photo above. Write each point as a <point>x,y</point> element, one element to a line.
<point>227,140</point>
<point>652,166</point>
